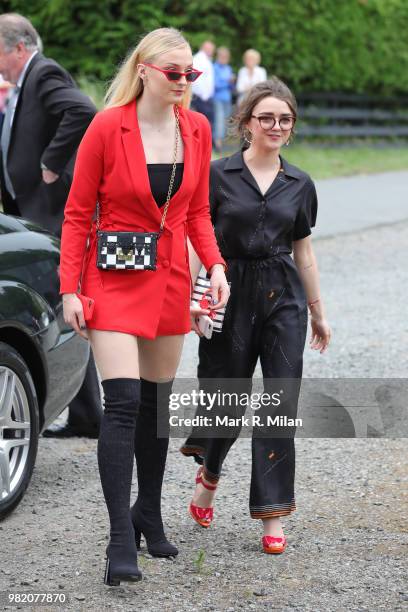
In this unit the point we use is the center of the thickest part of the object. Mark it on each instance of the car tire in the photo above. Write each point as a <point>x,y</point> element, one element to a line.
<point>18,445</point>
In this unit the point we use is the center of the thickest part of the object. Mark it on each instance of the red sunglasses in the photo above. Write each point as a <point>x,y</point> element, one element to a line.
<point>173,75</point>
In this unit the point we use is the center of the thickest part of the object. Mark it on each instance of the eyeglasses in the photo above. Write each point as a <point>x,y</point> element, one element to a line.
<point>267,122</point>
<point>173,75</point>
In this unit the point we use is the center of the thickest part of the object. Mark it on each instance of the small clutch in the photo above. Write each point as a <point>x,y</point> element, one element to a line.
<point>88,305</point>
<point>127,250</point>
<point>202,295</point>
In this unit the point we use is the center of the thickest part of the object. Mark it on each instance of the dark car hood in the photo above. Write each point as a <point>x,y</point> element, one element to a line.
<point>10,224</point>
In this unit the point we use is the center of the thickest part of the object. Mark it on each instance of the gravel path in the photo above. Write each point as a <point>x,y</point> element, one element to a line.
<point>352,203</point>
<point>347,541</point>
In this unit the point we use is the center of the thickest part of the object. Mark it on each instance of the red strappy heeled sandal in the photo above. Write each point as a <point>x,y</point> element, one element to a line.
<point>202,516</point>
<point>272,545</point>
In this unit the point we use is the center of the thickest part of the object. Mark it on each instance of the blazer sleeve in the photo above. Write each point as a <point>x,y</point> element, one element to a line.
<point>62,99</point>
<point>81,205</point>
<point>199,226</point>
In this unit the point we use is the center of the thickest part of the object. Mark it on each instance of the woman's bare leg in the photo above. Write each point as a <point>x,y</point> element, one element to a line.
<point>203,497</point>
<point>116,354</point>
<point>160,358</point>
<point>273,527</point>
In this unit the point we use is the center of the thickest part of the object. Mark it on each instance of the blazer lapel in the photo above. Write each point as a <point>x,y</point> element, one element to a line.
<point>190,136</point>
<point>135,156</point>
<point>136,159</point>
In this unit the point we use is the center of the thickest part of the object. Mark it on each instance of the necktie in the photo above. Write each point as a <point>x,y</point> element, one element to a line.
<point>5,137</point>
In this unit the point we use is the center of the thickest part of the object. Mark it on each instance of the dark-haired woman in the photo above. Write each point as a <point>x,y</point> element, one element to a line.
<point>262,208</point>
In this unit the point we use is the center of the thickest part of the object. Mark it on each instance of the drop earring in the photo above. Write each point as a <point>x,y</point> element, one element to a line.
<point>246,137</point>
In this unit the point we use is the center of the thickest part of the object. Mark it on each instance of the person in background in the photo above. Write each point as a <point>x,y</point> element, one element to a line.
<point>250,74</point>
<point>224,80</point>
<point>203,89</point>
<point>45,119</point>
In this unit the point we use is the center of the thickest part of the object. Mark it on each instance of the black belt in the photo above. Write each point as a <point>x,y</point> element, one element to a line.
<point>278,250</point>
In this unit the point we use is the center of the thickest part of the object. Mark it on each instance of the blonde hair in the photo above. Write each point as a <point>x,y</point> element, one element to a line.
<point>127,84</point>
<point>254,54</point>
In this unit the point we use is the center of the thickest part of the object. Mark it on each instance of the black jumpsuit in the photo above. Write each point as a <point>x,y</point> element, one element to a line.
<point>266,316</point>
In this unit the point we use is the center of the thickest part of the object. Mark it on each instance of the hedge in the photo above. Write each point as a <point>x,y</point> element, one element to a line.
<point>315,45</point>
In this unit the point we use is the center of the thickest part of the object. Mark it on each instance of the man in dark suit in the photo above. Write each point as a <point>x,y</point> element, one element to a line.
<point>43,124</point>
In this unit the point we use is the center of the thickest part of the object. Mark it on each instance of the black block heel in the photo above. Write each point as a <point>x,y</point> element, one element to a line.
<point>153,532</point>
<point>107,579</point>
<point>110,580</point>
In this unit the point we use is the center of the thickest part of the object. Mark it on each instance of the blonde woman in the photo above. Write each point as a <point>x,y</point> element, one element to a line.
<point>250,74</point>
<point>143,143</point>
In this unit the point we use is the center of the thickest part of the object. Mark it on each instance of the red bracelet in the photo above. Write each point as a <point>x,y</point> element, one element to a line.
<point>310,304</point>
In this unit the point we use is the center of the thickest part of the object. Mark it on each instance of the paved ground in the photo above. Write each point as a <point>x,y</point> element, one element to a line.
<point>350,204</point>
<point>348,539</point>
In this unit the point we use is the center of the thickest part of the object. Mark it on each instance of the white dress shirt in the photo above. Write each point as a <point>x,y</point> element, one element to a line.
<point>12,100</point>
<point>19,84</point>
<point>246,80</point>
<point>204,86</point>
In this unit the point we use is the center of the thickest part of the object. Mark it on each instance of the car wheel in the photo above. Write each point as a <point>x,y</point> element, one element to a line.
<point>19,428</point>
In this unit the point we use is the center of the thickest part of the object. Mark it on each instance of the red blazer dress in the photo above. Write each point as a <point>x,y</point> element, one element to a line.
<point>111,168</point>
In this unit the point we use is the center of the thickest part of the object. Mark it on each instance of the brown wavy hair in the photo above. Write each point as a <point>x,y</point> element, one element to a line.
<point>272,87</point>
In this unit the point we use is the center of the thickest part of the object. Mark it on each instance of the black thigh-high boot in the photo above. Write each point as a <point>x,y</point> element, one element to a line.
<point>115,461</point>
<point>151,454</point>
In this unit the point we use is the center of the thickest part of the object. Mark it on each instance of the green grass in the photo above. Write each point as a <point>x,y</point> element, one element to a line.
<point>199,561</point>
<point>325,162</point>
<point>330,162</point>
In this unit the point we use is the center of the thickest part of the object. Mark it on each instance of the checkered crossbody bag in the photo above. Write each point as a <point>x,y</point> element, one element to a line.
<point>133,250</point>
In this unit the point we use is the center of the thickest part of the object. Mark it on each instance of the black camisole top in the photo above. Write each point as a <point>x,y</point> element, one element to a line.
<point>159,176</point>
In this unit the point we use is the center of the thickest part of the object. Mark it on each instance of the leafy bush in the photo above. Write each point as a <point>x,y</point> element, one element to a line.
<point>315,45</point>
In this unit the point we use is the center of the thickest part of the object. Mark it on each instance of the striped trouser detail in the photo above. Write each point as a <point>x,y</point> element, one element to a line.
<point>263,512</point>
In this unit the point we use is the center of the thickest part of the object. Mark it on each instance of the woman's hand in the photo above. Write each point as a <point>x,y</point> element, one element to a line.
<point>195,312</point>
<point>321,333</point>
<point>74,314</point>
<point>220,290</point>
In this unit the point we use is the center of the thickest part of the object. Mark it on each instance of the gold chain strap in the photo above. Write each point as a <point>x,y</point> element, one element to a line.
<point>173,174</point>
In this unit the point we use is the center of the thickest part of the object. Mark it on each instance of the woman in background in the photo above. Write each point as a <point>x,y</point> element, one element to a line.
<point>224,80</point>
<point>250,74</point>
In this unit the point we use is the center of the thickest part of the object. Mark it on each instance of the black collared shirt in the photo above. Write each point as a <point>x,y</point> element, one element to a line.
<point>248,224</point>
